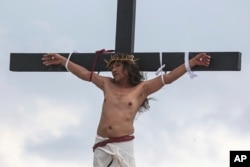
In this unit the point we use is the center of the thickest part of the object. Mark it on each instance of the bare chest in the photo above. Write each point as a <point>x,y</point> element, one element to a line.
<point>131,97</point>
<point>120,98</point>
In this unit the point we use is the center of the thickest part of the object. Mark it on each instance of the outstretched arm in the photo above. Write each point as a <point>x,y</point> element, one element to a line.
<point>79,71</point>
<point>155,84</point>
<point>201,59</point>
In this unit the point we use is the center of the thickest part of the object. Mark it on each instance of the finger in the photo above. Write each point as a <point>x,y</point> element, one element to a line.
<point>47,63</point>
<point>203,54</point>
<point>201,58</point>
<point>47,55</point>
<point>207,62</point>
<point>46,58</point>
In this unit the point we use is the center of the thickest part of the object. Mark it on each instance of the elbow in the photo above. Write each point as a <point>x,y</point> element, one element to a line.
<point>168,82</point>
<point>168,79</point>
<point>85,75</point>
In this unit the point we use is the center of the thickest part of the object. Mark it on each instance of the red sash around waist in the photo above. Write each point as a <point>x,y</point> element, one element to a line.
<point>113,140</point>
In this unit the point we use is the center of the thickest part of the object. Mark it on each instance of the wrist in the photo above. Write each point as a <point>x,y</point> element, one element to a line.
<point>63,61</point>
<point>192,63</point>
<point>189,64</point>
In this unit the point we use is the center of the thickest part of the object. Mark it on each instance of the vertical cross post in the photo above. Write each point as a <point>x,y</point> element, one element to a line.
<point>125,26</point>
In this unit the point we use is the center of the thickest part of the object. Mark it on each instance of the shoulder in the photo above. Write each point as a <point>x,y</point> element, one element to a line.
<point>152,85</point>
<point>101,81</point>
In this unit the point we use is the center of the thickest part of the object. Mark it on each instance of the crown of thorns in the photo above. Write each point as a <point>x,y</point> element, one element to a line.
<point>120,57</point>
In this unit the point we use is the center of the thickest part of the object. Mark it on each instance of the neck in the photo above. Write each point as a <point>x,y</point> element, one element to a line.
<point>123,84</point>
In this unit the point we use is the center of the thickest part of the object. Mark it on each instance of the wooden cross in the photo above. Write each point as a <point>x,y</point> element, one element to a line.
<point>125,31</point>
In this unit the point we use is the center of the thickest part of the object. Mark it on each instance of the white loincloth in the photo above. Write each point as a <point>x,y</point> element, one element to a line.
<point>120,154</point>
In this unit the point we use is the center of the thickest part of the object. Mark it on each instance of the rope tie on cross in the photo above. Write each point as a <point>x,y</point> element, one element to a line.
<point>97,53</point>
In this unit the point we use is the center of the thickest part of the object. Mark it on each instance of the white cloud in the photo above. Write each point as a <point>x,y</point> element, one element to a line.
<point>194,145</point>
<point>36,122</point>
<point>51,120</point>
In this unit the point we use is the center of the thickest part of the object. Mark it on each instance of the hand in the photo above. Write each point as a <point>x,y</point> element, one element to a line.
<point>202,59</point>
<point>52,59</point>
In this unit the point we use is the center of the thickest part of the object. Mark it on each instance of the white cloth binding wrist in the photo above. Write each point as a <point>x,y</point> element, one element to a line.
<point>186,59</point>
<point>160,70</point>
<point>67,62</point>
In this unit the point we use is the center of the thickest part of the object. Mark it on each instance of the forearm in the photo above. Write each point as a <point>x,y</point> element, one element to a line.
<point>77,70</point>
<point>57,59</point>
<point>177,72</point>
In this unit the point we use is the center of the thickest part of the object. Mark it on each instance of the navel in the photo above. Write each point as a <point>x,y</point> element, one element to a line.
<point>110,127</point>
<point>130,103</point>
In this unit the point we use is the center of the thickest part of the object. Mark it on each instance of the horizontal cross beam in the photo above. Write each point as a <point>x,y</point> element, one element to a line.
<point>220,61</point>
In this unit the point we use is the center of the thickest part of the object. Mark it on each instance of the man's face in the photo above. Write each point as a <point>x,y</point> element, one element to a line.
<point>118,71</point>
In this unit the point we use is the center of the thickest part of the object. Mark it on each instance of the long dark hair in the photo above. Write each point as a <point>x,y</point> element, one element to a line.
<point>136,77</point>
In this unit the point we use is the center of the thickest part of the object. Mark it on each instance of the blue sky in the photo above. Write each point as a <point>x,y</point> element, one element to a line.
<point>50,119</point>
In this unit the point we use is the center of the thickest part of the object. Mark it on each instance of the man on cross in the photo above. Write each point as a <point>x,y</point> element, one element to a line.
<point>124,95</point>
